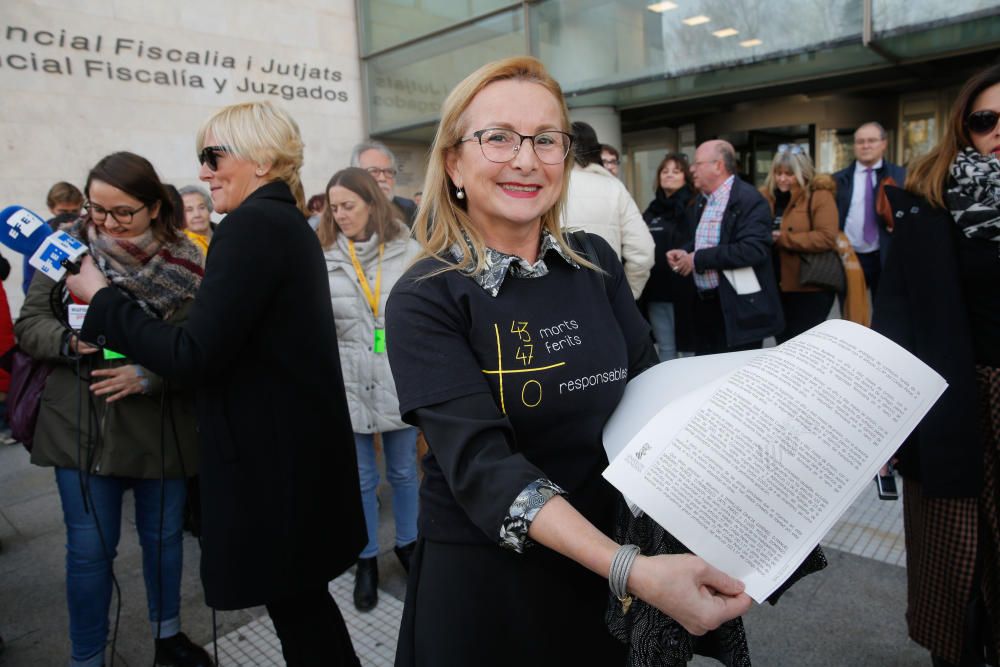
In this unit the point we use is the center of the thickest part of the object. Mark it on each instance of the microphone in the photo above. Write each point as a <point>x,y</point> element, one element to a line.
<point>22,230</point>
<point>58,253</point>
<point>27,233</point>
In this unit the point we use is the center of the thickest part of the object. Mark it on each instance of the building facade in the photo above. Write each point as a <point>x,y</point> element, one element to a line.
<point>655,76</point>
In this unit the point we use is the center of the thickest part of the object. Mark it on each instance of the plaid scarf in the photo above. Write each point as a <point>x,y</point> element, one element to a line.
<point>974,198</point>
<point>158,276</point>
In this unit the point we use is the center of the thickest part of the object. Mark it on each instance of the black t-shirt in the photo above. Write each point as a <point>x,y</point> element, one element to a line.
<point>979,266</point>
<point>551,354</point>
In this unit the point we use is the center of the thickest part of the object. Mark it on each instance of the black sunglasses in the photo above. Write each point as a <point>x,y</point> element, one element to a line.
<point>982,122</point>
<point>210,155</point>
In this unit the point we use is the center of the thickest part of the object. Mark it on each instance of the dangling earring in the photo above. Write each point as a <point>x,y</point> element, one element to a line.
<point>459,193</point>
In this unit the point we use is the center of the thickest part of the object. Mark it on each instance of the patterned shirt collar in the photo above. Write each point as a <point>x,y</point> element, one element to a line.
<point>498,263</point>
<point>722,191</point>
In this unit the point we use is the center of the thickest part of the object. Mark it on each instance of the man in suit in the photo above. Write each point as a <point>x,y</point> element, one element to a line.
<point>733,232</point>
<point>376,158</point>
<point>858,189</point>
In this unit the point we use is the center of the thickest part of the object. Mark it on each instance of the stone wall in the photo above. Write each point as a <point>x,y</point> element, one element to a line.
<point>83,78</point>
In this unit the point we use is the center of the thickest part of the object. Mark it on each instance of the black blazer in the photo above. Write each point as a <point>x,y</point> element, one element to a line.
<point>279,477</point>
<point>922,308</point>
<point>745,240</point>
<point>845,190</point>
<point>408,208</point>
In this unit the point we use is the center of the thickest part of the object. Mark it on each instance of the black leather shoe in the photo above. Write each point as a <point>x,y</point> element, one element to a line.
<point>366,584</point>
<point>404,553</point>
<point>180,651</point>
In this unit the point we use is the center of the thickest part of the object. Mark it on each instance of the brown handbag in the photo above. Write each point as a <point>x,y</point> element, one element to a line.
<point>821,269</point>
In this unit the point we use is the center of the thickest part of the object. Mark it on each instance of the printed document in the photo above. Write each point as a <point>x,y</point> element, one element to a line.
<point>749,458</point>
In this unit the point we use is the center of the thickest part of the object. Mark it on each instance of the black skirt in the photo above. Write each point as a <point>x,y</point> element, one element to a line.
<point>484,605</point>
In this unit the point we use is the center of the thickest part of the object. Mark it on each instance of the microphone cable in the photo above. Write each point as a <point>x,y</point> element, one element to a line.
<point>180,458</point>
<point>58,297</point>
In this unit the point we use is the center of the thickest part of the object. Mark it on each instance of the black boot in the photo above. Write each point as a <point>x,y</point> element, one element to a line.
<point>180,651</point>
<point>404,553</point>
<point>366,584</point>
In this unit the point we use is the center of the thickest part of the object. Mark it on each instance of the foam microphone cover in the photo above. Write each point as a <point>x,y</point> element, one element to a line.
<point>22,230</point>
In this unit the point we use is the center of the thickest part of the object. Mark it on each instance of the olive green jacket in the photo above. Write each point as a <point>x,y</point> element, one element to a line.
<point>120,439</point>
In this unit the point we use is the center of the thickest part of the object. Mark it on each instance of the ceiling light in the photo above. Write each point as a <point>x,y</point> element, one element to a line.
<point>661,7</point>
<point>696,20</point>
<point>726,32</point>
<point>750,42</point>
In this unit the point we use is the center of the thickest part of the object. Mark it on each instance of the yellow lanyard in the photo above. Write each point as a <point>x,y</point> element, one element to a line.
<point>372,298</point>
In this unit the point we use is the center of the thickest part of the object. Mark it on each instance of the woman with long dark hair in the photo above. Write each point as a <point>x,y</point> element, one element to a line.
<point>367,248</point>
<point>101,419</point>
<point>938,298</point>
<point>668,296</point>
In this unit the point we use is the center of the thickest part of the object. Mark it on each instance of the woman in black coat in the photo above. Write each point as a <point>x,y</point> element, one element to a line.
<point>280,495</point>
<point>668,298</point>
<point>938,299</point>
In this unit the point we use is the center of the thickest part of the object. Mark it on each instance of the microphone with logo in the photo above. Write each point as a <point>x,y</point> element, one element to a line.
<point>50,253</point>
<point>26,232</point>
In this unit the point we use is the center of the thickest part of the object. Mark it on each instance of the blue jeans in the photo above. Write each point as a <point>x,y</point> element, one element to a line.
<point>400,450</point>
<point>661,318</point>
<point>92,534</point>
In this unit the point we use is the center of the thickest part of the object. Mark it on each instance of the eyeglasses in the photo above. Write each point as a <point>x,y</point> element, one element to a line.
<point>500,145</point>
<point>210,155</point>
<point>982,122</point>
<point>122,214</point>
<point>388,172</point>
<point>613,162</point>
<point>794,149</point>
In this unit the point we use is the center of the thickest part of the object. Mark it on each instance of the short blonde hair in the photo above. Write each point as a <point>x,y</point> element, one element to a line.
<point>798,164</point>
<point>442,219</point>
<point>260,132</point>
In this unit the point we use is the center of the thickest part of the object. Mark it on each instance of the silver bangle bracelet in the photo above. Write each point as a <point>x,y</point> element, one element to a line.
<point>621,565</point>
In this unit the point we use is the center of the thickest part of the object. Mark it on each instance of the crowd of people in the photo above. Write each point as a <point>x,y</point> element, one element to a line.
<point>393,319</point>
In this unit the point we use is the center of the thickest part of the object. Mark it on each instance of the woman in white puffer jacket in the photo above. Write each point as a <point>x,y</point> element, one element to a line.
<point>367,249</point>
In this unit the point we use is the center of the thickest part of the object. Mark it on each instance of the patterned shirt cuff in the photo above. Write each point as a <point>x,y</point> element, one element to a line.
<point>514,529</point>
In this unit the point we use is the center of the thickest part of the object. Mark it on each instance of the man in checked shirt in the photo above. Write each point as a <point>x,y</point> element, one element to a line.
<point>738,305</point>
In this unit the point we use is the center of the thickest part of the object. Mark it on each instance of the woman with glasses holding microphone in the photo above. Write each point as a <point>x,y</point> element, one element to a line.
<point>510,346</point>
<point>101,415</point>
<point>281,507</point>
<point>805,222</point>
<point>938,298</point>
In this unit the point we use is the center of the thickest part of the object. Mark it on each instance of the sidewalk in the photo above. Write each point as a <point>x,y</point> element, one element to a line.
<point>850,614</point>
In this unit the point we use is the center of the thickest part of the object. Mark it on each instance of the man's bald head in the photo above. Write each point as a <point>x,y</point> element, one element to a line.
<point>714,162</point>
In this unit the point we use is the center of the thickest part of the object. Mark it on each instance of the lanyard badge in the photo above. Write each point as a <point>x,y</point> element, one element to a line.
<point>378,337</point>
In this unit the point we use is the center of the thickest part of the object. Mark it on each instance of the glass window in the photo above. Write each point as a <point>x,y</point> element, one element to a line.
<point>608,41</point>
<point>406,87</point>
<point>386,23</point>
<point>894,14</point>
<point>836,149</point>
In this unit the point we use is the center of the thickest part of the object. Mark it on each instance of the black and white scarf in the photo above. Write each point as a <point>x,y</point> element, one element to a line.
<point>974,197</point>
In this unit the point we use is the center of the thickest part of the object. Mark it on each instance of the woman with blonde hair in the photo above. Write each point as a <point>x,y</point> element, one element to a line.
<point>367,248</point>
<point>281,509</point>
<point>938,299</point>
<point>805,222</point>
<point>492,336</point>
